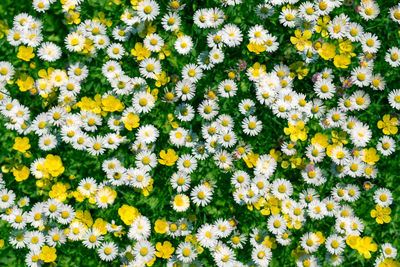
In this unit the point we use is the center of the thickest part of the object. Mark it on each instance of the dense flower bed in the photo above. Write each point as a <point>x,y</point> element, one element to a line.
<point>199,133</point>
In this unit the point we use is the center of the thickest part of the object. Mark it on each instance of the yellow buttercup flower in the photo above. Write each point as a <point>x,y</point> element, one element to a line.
<point>131,121</point>
<point>140,51</point>
<point>54,165</point>
<point>161,226</point>
<point>388,125</point>
<point>363,245</point>
<point>59,191</point>
<point>296,132</point>
<point>327,51</point>
<point>168,158</point>
<point>48,254</point>
<point>342,61</point>
<point>101,225</point>
<point>251,159</point>
<point>25,53</point>
<point>320,139</point>
<point>21,144</point>
<point>128,214</point>
<point>256,48</point>
<point>85,217</point>
<point>370,156</point>
<point>381,214</point>
<point>164,250</point>
<point>25,83</point>
<point>301,40</point>
<point>162,79</point>
<point>322,26</point>
<point>21,173</point>
<point>111,104</point>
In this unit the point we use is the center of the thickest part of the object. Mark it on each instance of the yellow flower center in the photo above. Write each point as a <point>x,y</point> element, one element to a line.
<point>360,100</point>
<point>369,11</point>
<point>3,71</point>
<point>96,146</point>
<point>289,17</point>
<point>201,195</point>
<point>186,252</point>
<point>143,102</point>
<point>56,238</point>
<point>52,208</point>
<point>282,189</point>
<point>147,9</point>
<point>309,11</point>
<point>65,214</point>
<point>354,167</point>
<point>92,238</point>
<point>353,32</point>
<point>108,251</point>
<point>150,67</point>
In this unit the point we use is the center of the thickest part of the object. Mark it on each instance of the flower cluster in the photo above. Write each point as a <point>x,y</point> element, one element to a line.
<point>200,133</point>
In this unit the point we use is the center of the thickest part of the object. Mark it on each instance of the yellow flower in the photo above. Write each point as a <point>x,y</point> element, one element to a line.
<point>320,237</point>
<point>369,156</point>
<point>161,226</point>
<point>164,250</point>
<point>327,51</point>
<point>322,25</point>
<point>3,30</point>
<point>251,159</point>
<point>320,139</point>
<point>339,137</point>
<point>21,173</point>
<point>101,225</point>
<point>365,245</point>
<point>1,243</point>
<point>25,53</point>
<point>168,158</point>
<point>162,79</point>
<point>296,132</point>
<point>85,217</point>
<point>256,48</point>
<point>301,41</point>
<point>269,242</point>
<point>299,69</point>
<point>382,215</point>
<point>276,154</point>
<point>78,196</point>
<point>140,51</point>
<point>102,19</point>
<point>164,52</point>
<point>59,191</point>
<point>171,121</point>
<point>346,47</point>
<point>25,84</point>
<point>128,214</point>
<point>21,144</point>
<point>48,254</point>
<point>89,104</point>
<point>131,121</point>
<point>111,104</point>
<point>342,61</point>
<point>53,165</point>
<point>389,262</point>
<point>388,125</point>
